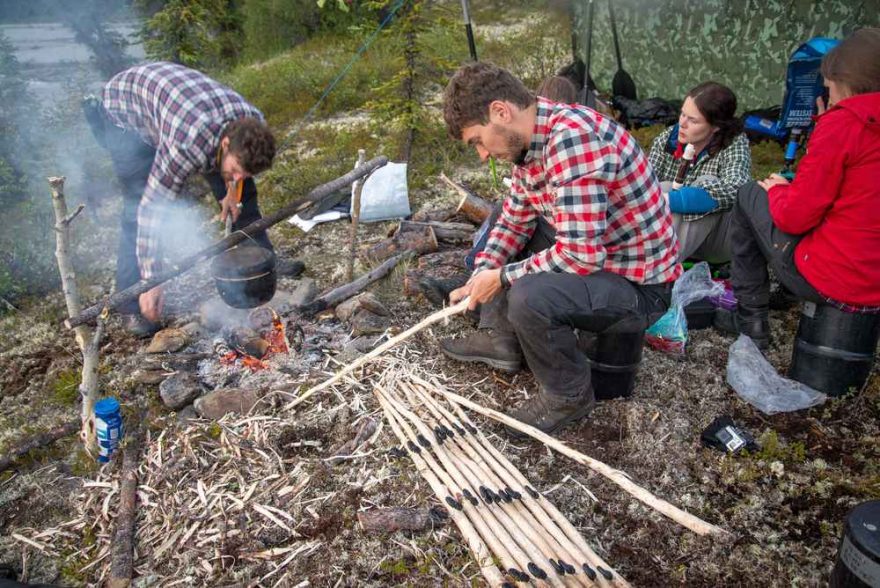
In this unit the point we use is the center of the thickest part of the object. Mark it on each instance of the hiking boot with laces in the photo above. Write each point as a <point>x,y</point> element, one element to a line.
<point>497,350</point>
<point>549,413</point>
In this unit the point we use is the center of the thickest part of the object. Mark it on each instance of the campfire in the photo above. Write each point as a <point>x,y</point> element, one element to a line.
<point>251,347</point>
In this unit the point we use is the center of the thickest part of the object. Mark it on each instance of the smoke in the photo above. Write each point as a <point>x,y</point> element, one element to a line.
<point>46,68</point>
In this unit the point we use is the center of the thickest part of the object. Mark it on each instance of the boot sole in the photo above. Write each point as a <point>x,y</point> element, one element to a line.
<point>509,366</point>
<point>584,411</point>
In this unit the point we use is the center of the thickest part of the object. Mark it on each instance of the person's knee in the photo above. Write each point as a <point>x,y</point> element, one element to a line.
<point>527,303</point>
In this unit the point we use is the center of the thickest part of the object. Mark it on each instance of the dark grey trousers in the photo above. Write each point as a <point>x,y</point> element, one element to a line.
<point>544,311</point>
<point>755,244</point>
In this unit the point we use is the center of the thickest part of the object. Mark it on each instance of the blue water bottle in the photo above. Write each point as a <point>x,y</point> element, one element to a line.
<point>108,426</point>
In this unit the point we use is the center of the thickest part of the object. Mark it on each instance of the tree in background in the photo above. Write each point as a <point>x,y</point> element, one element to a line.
<point>26,223</point>
<point>398,103</point>
<point>197,33</point>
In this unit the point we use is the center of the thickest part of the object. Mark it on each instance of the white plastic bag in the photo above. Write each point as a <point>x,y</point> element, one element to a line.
<point>385,194</point>
<point>756,381</point>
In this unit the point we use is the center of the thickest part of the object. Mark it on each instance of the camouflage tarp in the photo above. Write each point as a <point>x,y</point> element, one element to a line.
<point>669,46</point>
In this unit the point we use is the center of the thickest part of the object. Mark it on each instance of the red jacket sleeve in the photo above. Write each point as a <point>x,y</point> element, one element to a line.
<point>801,206</point>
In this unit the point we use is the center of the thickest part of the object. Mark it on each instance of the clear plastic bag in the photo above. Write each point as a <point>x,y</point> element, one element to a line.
<point>756,381</point>
<point>669,333</point>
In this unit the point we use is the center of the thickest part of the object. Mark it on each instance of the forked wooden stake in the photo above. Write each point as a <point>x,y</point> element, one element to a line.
<point>423,324</point>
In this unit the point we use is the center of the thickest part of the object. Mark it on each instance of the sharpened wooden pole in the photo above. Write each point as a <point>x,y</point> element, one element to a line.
<point>363,360</point>
<point>686,519</point>
<point>355,217</point>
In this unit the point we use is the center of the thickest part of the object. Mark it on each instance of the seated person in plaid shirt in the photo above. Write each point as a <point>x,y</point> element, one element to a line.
<point>162,123</point>
<point>584,240</point>
<point>701,209</point>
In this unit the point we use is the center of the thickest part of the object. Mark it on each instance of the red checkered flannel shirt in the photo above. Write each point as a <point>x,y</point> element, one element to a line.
<point>182,113</point>
<point>591,181</point>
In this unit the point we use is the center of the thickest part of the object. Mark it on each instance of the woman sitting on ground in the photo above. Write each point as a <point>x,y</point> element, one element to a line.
<point>821,232</point>
<point>722,164</point>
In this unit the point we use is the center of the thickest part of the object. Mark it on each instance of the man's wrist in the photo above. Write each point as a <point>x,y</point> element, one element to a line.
<point>505,282</point>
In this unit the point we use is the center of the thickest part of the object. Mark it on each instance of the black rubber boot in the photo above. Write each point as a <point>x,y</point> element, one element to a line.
<point>754,323</point>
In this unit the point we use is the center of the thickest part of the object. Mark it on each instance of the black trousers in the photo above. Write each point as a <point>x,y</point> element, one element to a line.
<point>756,244</point>
<point>132,161</point>
<point>545,310</point>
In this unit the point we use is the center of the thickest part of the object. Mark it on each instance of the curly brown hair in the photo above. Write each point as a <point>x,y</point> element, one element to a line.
<point>251,141</point>
<point>472,88</point>
<point>855,62</point>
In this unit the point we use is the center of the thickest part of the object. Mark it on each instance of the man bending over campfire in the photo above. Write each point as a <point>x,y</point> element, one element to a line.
<point>584,241</point>
<point>162,123</point>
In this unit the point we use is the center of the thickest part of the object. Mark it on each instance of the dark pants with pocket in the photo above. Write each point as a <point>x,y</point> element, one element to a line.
<point>755,244</point>
<point>545,310</point>
<point>132,161</point>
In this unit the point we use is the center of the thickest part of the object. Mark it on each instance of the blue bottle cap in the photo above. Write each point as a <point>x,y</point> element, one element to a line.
<point>106,407</point>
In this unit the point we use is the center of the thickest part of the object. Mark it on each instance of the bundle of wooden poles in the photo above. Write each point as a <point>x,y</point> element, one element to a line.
<point>515,533</point>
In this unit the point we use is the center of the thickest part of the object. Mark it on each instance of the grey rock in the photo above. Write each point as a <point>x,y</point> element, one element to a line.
<point>225,400</point>
<point>364,301</point>
<point>186,413</point>
<point>179,390</point>
<point>366,322</point>
<point>286,300</point>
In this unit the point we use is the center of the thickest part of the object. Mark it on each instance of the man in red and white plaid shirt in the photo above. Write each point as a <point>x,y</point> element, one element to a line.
<point>584,242</point>
<point>162,123</point>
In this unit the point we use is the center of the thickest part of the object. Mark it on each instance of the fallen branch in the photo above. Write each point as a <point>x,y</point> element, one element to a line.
<point>122,554</point>
<point>346,291</point>
<point>425,323</point>
<point>355,218</point>
<point>316,195</point>
<point>450,232</point>
<point>686,519</point>
<point>38,441</point>
<point>471,206</point>
<point>364,432</point>
<point>419,238</point>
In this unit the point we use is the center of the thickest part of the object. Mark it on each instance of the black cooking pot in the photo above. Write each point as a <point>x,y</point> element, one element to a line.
<point>245,276</point>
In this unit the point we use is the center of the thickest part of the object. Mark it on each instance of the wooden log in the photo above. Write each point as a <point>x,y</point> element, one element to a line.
<point>396,518</point>
<point>316,195</point>
<point>449,232</point>
<point>471,206</point>
<point>346,291</point>
<point>122,548</point>
<point>37,441</point>
<point>442,215</point>
<point>421,241</point>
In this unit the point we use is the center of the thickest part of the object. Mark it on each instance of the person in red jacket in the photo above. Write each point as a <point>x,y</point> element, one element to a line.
<point>821,232</point>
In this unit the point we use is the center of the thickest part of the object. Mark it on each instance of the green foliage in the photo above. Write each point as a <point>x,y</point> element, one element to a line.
<point>195,33</point>
<point>772,449</point>
<point>273,26</point>
<point>65,388</point>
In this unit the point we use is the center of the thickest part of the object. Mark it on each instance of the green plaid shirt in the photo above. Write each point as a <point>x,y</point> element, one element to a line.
<point>721,176</point>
